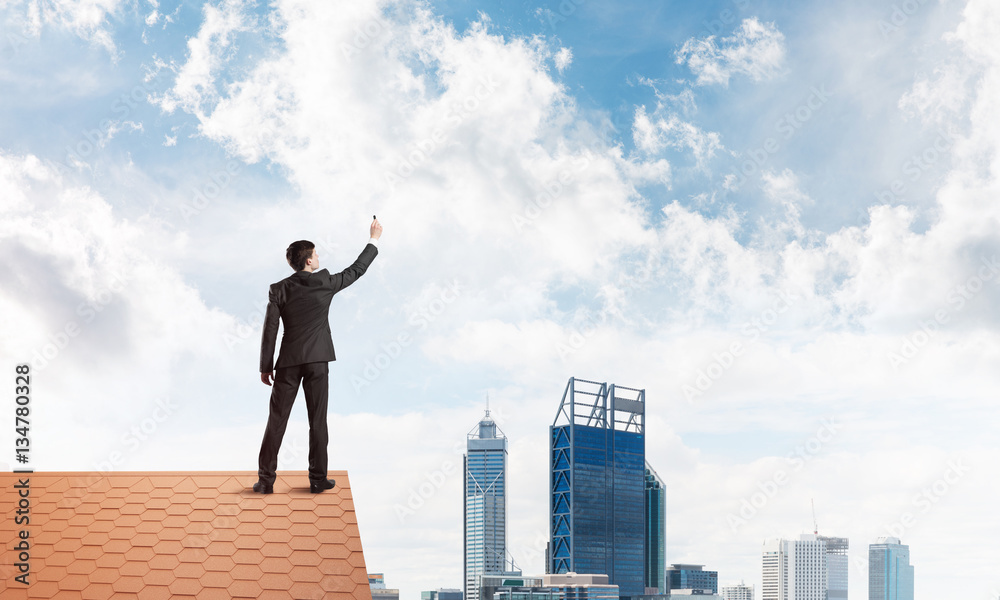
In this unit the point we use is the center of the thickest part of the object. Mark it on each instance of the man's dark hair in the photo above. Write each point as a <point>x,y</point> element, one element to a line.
<point>298,253</point>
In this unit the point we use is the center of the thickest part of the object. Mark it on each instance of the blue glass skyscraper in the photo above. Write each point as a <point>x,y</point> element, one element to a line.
<point>597,484</point>
<point>485,504</point>
<point>656,532</point>
<point>890,575</point>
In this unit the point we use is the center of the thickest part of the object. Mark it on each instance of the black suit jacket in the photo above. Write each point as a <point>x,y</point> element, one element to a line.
<point>302,301</point>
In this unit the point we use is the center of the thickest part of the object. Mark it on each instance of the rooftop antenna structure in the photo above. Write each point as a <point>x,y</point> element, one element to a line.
<point>815,524</point>
<point>486,427</point>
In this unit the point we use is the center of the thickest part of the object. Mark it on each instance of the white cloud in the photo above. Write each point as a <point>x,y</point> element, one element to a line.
<point>440,97</point>
<point>652,171</point>
<point>154,15</point>
<point>783,189</point>
<point>104,308</point>
<point>937,98</point>
<point>653,134</point>
<point>195,83</point>
<point>563,58</point>
<point>426,133</point>
<point>756,49</point>
<point>88,19</point>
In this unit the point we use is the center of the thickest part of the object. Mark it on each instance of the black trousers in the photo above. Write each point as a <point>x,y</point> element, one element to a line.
<point>314,378</point>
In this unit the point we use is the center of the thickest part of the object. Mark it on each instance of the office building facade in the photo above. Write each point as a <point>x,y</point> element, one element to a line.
<point>442,594</point>
<point>656,532</point>
<point>376,583</point>
<point>836,567</point>
<point>597,484</point>
<point>794,569</point>
<point>692,577</point>
<point>568,586</point>
<point>890,575</point>
<point>485,503</point>
<point>740,591</point>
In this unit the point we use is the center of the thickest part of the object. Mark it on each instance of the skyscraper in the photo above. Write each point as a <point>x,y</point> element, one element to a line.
<point>794,569</point>
<point>890,575</point>
<point>485,503</point>
<point>656,533</point>
<point>836,567</point>
<point>597,484</point>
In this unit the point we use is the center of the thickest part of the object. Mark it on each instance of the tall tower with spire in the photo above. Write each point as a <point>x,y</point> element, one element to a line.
<point>485,503</point>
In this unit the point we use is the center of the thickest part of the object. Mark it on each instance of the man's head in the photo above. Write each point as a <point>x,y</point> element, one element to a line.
<point>301,256</point>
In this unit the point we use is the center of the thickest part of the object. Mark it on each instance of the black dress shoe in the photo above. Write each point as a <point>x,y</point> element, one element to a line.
<point>262,488</point>
<point>317,487</point>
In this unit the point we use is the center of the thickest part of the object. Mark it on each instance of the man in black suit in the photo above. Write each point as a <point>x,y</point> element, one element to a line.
<point>302,302</point>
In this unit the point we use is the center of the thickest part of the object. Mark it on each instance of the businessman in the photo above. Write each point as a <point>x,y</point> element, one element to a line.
<point>302,303</point>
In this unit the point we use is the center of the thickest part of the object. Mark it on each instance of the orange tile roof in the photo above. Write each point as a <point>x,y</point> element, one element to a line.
<point>103,536</point>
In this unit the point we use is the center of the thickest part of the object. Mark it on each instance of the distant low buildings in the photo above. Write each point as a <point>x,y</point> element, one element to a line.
<point>692,594</point>
<point>739,591</point>
<point>692,580</point>
<point>563,586</point>
<point>376,581</point>
<point>442,594</point>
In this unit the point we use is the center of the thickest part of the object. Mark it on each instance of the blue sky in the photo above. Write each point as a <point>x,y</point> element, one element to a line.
<point>771,216</point>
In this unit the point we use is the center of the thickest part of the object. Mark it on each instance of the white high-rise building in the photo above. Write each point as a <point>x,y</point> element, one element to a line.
<point>795,569</point>
<point>740,591</point>
<point>485,504</point>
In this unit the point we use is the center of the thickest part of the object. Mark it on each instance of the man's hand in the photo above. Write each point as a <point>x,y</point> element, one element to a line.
<point>267,377</point>
<point>376,231</point>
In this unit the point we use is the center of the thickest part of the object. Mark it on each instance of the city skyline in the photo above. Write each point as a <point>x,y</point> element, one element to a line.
<point>811,567</point>
<point>776,218</point>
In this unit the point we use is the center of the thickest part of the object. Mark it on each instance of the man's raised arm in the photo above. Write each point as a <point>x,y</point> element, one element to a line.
<point>352,273</point>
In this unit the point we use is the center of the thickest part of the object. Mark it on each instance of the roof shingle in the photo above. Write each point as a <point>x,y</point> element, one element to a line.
<point>166,534</point>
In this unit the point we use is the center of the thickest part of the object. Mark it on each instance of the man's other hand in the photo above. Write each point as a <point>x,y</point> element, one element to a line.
<point>267,377</point>
<point>376,231</point>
